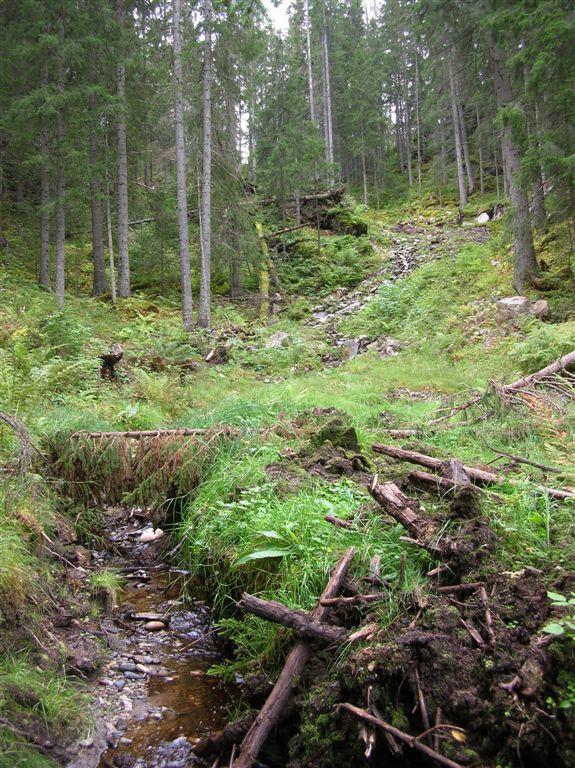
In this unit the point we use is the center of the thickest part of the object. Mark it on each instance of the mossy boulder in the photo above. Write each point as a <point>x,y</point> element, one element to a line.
<point>339,432</point>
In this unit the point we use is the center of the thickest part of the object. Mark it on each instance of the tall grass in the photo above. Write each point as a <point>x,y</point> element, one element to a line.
<point>242,533</point>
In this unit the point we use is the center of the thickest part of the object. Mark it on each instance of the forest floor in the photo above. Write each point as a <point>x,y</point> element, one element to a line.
<point>292,411</point>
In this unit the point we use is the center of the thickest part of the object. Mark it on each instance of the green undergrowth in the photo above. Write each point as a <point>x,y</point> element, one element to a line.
<point>245,529</point>
<point>243,532</point>
<point>36,700</point>
<point>30,694</point>
<point>342,261</point>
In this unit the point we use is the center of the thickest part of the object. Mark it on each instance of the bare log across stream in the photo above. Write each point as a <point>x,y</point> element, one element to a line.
<point>295,663</point>
<point>300,621</point>
<point>475,474</point>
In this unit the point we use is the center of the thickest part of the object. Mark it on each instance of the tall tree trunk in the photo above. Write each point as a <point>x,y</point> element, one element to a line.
<point>465,146</point>
<point>496,162</point>
<point>235,152</point>
<point>252,134</point>
<point>443,155</point>
<point>44,272</point>
<point>525,263</point>
<point>112,266</point>
<point>328,122</point>
<point>60,184</point>
<point>418,117</point>
<point>307,24</point>
<point>99,283</point>
<point>123,255</point>
<point>480,152</point>
<point>539,214</point>
<point>187,303</point>
<point>457,136</point>
<point>204,309</point>
<point>398,132</point>
<point>364,169</point>
<point>407,118</point>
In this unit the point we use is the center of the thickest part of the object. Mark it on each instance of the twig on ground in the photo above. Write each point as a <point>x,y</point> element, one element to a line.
<point>361,714</point>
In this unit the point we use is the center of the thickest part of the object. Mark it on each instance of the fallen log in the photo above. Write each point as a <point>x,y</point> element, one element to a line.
<point>300,621</point>
<point>556,367</point>
<point>293,667</point>
<point>405,511</point>
<point>426,481</point>
<point>143,433</point>
<point>221,741</point>
<point>411,741</point>
<point>477,475</point>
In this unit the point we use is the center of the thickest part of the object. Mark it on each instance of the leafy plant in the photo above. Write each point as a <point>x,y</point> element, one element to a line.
<point>565,625</point>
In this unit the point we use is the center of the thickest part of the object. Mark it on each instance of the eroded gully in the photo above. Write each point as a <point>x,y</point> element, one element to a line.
<point>153,698</point>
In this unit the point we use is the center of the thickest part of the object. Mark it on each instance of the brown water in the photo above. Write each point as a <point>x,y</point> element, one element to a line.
<point>153,718</point>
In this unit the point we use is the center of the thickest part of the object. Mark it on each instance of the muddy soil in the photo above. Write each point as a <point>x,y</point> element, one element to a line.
<point>153,698</point>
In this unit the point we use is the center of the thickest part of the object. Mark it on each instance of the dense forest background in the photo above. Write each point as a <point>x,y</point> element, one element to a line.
<point>153,128</point>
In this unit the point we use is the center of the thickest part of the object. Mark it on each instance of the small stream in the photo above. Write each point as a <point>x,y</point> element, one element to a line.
<point>154,698</point>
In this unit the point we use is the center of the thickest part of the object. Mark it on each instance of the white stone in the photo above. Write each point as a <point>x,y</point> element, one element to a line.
<point>151,535</point>
<point>513,307</point>
<point>277,340</point>
<point>483,218</point>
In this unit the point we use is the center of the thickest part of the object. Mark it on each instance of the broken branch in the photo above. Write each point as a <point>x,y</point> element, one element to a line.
<point>475,474</point>
<point>411,741</point>
<point>295,663</point>
<point>300,621</point>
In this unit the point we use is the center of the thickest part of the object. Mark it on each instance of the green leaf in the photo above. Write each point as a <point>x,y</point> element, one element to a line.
<point>553,628</point>
<point>556,597</point>
<point>270,535</point>
<point>263,554</point>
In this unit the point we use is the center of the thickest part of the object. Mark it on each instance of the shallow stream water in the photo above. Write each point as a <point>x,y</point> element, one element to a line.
<point>154,698</point>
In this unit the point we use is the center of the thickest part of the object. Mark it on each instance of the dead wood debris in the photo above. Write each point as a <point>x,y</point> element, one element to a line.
<point>293,667</point>
<point>549,376</point>
<point>411,741</point>
<point>476,475</point>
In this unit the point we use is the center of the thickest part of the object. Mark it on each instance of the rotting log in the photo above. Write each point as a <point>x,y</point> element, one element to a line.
<point>423,532</point>
<point>427,481</point>
<point>144,433</point>
<point>301,622</point>
<point>411,741</point>
<point>220,742</point>
<point>293,667</point>
<point>477,475</point>
<point>405,511</point>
